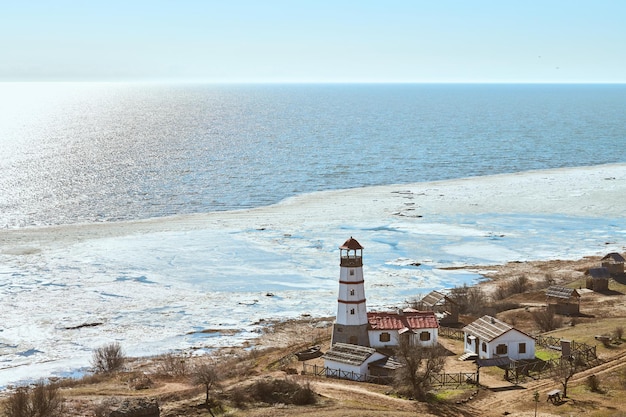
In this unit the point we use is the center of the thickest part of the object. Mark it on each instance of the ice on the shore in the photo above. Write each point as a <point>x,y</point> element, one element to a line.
<point>207,281</point>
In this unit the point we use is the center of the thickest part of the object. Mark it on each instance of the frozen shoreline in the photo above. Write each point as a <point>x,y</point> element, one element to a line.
<point>156,284</point>
<point>584,191</point>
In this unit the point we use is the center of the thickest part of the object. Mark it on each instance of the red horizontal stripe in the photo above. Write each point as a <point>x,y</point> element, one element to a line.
<point>352,302</point>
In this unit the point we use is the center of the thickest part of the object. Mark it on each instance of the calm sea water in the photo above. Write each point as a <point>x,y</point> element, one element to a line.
<point>106,152</point>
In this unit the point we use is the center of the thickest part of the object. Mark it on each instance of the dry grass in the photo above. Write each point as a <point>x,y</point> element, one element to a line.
<point>602,314</point>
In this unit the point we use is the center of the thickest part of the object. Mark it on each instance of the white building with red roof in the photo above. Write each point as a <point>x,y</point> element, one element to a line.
<point>490,338</point>
<point>386,328</point>
<point>354,325</point>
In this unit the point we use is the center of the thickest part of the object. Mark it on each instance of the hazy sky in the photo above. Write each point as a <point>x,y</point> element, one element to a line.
<point>314,40</point>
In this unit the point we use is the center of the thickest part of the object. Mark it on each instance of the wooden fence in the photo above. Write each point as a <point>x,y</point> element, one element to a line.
<point>451,333</point>
<point>441,379</point>
<point>583,357</point>
<point>581,351</point>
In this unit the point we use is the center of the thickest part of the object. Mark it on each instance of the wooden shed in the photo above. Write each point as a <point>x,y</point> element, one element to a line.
<point>563,300</point>
<point>598,279</point>
<point>446,310</point>
<point>614,262</point>
<point>348,361</point>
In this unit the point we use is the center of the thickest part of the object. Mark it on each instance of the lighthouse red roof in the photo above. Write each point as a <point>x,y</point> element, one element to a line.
<point>351,244</point>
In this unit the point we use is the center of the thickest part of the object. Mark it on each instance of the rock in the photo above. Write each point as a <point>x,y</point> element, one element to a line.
<point>141,407</point>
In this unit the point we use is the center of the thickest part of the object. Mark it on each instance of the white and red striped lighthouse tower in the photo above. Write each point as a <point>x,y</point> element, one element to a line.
<point>351,323</point>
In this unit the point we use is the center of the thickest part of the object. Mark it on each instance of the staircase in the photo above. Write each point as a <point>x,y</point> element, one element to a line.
<point>468,356</point>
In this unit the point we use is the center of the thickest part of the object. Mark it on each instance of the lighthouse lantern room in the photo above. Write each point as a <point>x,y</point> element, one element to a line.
<point>351,323</point>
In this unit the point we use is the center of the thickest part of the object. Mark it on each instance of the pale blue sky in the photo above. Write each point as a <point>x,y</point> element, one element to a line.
<point>314,40</point>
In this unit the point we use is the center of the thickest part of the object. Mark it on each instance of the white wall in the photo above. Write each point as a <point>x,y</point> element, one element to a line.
<point>374,336</point>
<point>361,370</point>
<point>511,339</point>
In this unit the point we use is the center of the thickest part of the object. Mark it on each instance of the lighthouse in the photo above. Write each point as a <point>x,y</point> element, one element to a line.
<point>351,323</point>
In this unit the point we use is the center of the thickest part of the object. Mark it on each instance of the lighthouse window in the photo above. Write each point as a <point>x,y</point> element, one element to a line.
<point>351,292</point>
<point>385,337</point>
<point>352,311</point>
<point>352,272</point>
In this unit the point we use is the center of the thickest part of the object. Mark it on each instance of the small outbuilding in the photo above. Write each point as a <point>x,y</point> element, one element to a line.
<point>446,310</point>
<point>385,328</point>
<point>563,300</point>
<point>598,279</point>
<point>614,262</point>
<point>490,338</point>
<point>348,361</point>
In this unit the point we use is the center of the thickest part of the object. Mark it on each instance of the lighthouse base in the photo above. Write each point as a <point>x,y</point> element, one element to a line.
<point>352,334</point>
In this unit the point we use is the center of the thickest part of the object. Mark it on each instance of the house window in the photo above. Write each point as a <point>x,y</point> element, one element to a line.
<point>351,311</point>
<point>351,292</point>
<point>352,272</point>
<point>522,348</point>
<point>424,336</point>
<point>384,337</point>
<point>501,349</point>
<point>484,347</point>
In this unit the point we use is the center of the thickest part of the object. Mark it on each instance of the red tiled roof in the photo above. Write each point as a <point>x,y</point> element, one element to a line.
<point>351,244</point>
<point>407,320</point>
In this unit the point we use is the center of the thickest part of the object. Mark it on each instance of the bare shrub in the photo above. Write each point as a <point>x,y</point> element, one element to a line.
<point>547,320</point>
<point>282,391</point>
<point>593,383</point>
<point>502,291</point>
<point>548,280</point>
<point>520,284</point>
<point>108,358</point>
<point>470,300</point>
<point>42,400</point>
<point>174,365</point>
<point>618,333</point>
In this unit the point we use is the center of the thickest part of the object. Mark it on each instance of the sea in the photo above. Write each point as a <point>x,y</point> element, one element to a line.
<point>105,152</point>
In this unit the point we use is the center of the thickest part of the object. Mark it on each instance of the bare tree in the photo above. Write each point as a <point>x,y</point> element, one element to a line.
<point>108,358</point>
<point>564,372</point>
<point>419,363</point>
<point>43,400</point>
<point>207,376</point>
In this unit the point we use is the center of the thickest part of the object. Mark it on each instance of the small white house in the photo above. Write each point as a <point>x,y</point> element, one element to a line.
<point>348,361</point>
<point>490,338</point>
<point>385,328</point>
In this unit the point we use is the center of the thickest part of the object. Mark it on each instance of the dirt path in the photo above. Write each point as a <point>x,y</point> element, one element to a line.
<point>503,397</point>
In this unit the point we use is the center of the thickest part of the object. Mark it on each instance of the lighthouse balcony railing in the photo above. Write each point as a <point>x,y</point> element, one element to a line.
<point>351,261</point>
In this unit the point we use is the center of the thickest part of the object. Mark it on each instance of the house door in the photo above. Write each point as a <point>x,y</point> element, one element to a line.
<point>353,340</point>
<point>476,346</point>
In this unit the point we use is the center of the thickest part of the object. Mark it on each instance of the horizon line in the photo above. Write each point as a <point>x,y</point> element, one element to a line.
<point>319,82</point>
